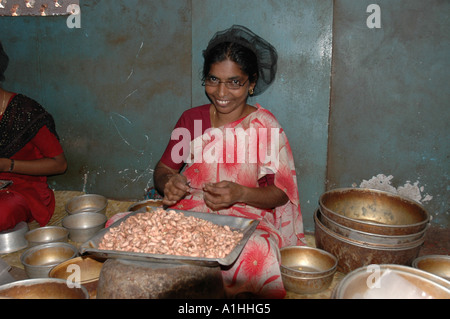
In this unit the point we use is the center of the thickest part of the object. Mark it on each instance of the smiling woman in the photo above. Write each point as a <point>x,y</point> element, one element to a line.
<point>248,177</point>
<point>229,102</point>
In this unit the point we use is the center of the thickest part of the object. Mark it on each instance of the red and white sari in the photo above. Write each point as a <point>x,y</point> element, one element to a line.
<point>245,152</point>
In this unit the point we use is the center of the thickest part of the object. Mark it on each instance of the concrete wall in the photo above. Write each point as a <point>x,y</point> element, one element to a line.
<point>355,102</point>
<point>389,121</point>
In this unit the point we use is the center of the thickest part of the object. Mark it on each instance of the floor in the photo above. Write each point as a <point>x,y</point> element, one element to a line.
<point>437,242</point>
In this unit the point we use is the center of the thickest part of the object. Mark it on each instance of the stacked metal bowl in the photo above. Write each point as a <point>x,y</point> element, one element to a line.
<point>86,216</point>
<point>366,226</point>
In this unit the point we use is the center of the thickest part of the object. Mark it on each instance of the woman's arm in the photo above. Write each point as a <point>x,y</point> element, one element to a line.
<point>225,194</point>
<point>40,167</point>
<point>170,183</point>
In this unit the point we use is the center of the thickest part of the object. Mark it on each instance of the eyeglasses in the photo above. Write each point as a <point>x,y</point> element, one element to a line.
<point>230,84</point>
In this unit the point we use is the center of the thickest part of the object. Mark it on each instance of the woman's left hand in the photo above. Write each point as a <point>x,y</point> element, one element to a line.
<point>221,195</point>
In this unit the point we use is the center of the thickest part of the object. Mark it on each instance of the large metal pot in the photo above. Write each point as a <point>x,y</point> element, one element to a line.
<point>374,211</point>
<point>42,288</point>
<point>391,282</point>
<point>352,254</point>
<point>368,237</point>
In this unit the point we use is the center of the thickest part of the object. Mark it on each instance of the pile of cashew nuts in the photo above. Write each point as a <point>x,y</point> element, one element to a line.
<point>171,233</point>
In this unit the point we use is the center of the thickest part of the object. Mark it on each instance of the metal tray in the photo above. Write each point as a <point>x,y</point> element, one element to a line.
<point>247,226</point>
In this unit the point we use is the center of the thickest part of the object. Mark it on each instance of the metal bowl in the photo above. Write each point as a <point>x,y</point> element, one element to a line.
<point>87,268</point>
<point>374,211</point>
<point>352,254</point>
<point>306,285</point>
<point>47,234</point>
<point>391,282</point>
<point>40,259</point>
<point>83,226</point>
<point>145,203</point>
<point>368,237</point>
<point>306,261</point>
<point>12,240</point>
<point>88,203</point>
<point>42,288</point>
<point>306,270</point>
<point>435,264</point>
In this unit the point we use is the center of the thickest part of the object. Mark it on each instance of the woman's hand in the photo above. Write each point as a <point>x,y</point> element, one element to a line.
<point>175,189</point>
<point>222,194</point>
<point>169,183</point>
<point>5,164</point>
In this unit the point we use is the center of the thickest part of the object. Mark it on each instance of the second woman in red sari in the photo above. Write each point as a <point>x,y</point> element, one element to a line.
<point>29,152</point>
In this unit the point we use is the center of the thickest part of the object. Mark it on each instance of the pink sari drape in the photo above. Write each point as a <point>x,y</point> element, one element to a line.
<point>243,152</point>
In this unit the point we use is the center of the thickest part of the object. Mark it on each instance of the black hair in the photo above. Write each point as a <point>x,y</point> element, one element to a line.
<point>255,56</point>
<point>243,56</point>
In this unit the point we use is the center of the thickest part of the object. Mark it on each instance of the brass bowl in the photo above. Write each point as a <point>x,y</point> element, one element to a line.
<point>306,270</point>
<point>40,259</point>
<point>85,269</point>
<point>42,288</point>
<point>352,254</point>
<point>391,282</point>
<point>368,237</point>
<point>82,226</point>
<point>145,203</point>
<point>88,203</point>
<point>306,261</point>
<point>374,211</point>
<point>47,234</point>
<point>435,264</point>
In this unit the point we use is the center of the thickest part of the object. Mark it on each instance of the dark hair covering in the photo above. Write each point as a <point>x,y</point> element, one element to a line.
<point>256,57</point>
<point>3,63</point>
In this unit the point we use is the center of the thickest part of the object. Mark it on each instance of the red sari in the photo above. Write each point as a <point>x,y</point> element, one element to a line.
<point>245,152</point>
<point>29,197</point>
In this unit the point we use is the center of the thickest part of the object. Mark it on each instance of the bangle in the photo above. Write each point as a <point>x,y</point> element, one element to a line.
<point>12,166</point>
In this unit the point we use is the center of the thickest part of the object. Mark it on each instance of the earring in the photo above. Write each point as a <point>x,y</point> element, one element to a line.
<point>251,91</point>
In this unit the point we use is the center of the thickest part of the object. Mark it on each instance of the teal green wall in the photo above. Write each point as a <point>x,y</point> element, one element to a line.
<point>390,98</point>
<point>355,102</point>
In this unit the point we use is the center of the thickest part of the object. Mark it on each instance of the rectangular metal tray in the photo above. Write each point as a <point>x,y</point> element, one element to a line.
<point>247,226</point>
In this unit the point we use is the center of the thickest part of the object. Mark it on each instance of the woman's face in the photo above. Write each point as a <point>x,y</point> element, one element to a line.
<point>224,99</point>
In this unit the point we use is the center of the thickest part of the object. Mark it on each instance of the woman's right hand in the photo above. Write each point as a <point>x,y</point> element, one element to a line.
<point>175,189</point>
<point>5,164</point>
